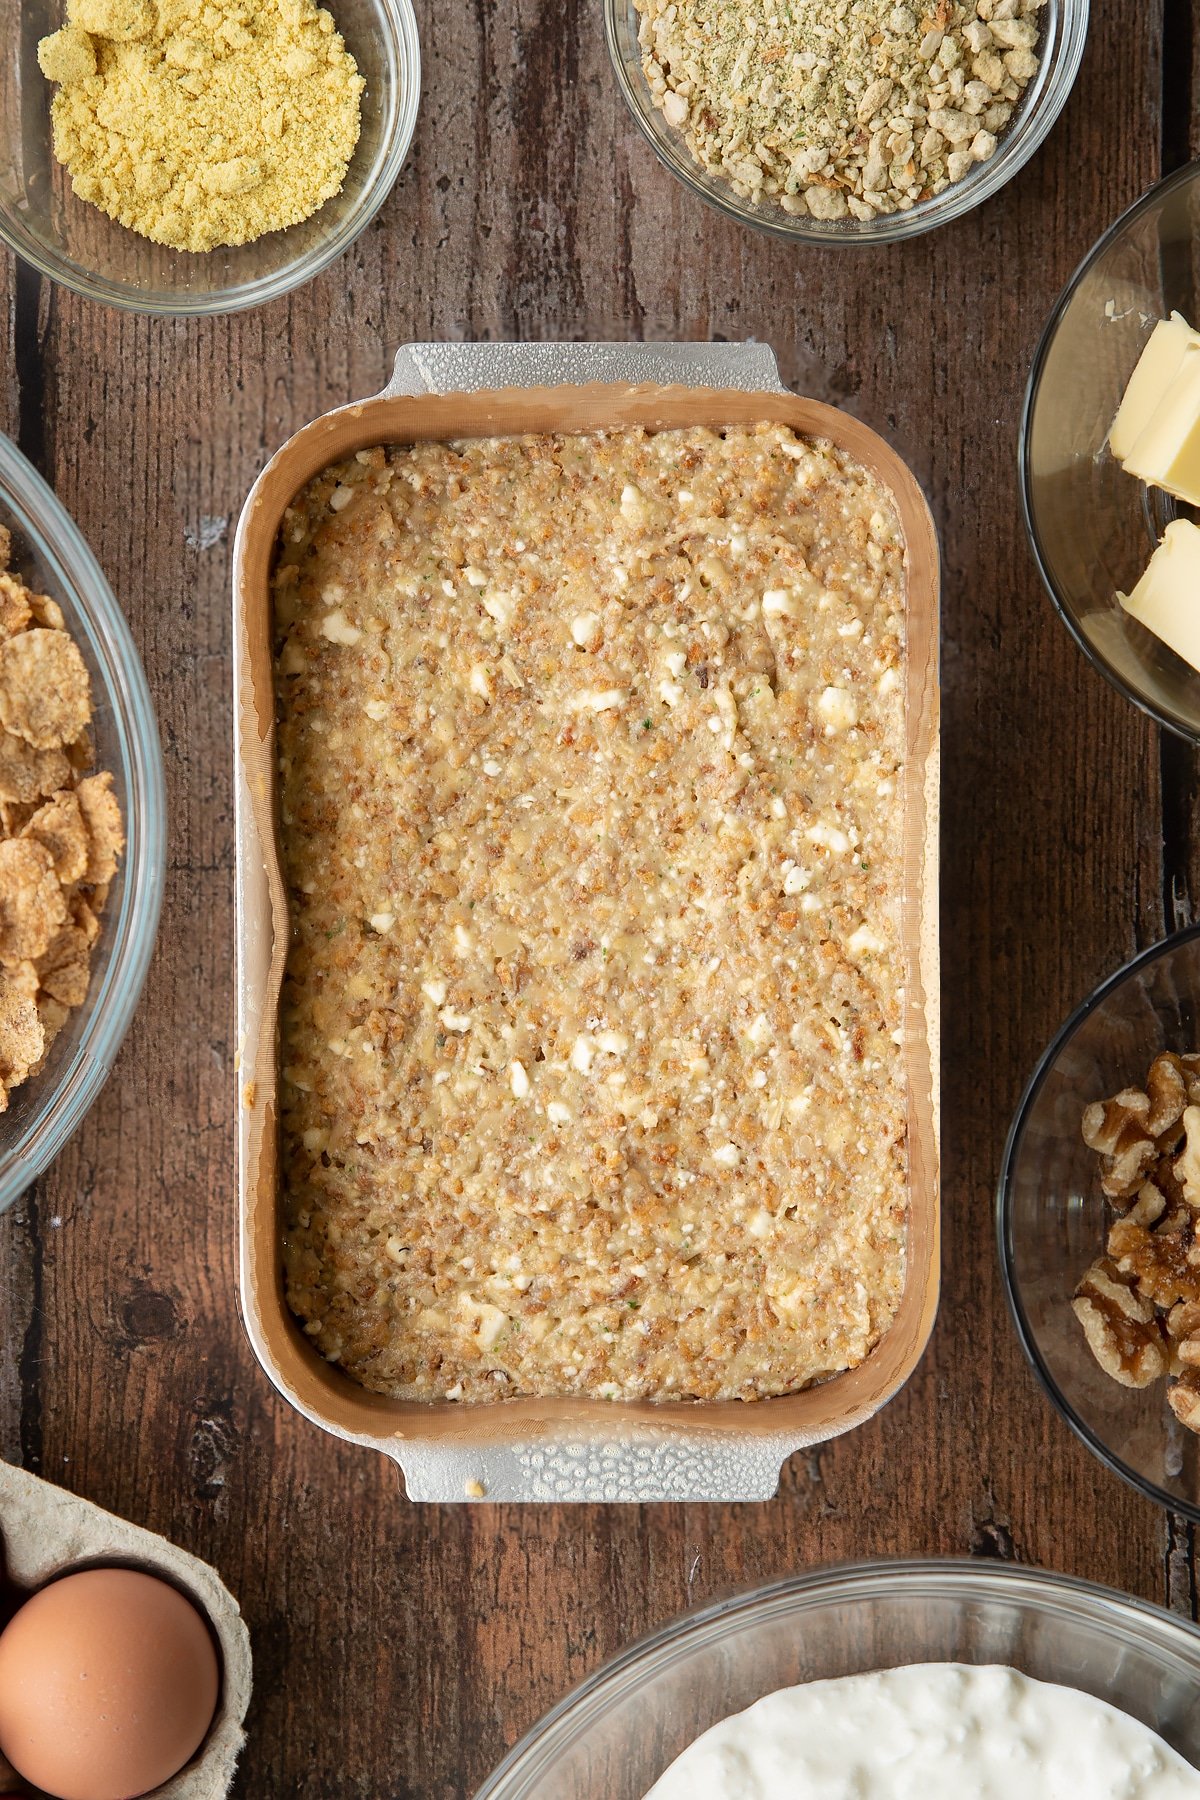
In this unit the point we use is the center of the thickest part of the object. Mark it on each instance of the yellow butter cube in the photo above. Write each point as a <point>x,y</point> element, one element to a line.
<point>1167,454</point>
<point>1151,382</point>
<point>1167,598</point>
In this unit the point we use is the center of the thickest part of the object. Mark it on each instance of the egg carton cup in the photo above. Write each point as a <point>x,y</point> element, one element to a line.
<point>46,1532</point>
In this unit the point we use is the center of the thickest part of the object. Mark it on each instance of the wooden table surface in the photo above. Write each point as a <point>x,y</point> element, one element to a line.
<point>400,1650</point>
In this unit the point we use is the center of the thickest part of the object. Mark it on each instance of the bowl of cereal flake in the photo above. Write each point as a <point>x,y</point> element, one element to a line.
<point>82,826</point>
<point>859,123</point>
<point>165,169</point>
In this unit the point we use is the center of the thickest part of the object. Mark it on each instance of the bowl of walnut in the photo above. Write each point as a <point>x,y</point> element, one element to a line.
<point>1098,1212</point>
<point>82,826</point>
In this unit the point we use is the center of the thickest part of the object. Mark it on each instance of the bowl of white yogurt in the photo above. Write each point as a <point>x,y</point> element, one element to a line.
<point>897,1680</point>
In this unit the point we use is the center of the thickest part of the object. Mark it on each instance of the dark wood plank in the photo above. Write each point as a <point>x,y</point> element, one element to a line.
<point>400,1650</point>
<point>1180,765</point>
<point>18,1272</point>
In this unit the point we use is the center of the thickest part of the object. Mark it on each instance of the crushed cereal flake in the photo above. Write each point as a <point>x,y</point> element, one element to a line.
<point>27,774</point>
<point>61,832</point>
<point>31,900</point>
<point>15,611</point>
<point>106,839</point>
<point>22,1036</point>
<point>63,971</point>
<point>59,825</point>
<point>45,695</point>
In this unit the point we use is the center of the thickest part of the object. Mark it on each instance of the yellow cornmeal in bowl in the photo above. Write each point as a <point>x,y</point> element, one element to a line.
<point>200,123</point>
<point>591,807</point>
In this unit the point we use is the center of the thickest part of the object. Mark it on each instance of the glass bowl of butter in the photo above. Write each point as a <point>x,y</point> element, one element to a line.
<point>899,1655</point>
<point>221,145</point>
<point>1110,454</point>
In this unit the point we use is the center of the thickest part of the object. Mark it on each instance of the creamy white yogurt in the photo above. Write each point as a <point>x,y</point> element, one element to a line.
<point>932,1731</point>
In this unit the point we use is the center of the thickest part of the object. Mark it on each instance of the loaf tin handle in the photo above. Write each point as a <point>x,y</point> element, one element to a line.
<point>654,1465</point>
<point>463,368</point>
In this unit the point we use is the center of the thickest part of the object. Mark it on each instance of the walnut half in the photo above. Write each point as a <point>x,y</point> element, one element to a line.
<point>1139,1306</point>
<point>1117,1130</point>
<point>1187,1168</point>
<point>1163,1263</point>
<point>1184,1400</point>
<point>1123,1330</point>
<point>1137,1127</point>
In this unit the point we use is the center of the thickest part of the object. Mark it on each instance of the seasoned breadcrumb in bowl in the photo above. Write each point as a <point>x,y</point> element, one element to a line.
<point>46,1103</point>
<point>46,220</point>
<point>904,120</point>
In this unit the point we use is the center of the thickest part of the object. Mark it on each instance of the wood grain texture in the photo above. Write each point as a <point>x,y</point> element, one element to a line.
<point>401,1650</point>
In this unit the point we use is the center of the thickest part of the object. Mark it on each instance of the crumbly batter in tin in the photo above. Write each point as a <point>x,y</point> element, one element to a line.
<point>589,755</point>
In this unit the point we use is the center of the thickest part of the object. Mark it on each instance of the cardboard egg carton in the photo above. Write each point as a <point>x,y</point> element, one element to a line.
<point>46,1532</point>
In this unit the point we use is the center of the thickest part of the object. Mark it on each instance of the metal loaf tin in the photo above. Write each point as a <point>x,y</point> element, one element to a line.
<point>530,1449</point>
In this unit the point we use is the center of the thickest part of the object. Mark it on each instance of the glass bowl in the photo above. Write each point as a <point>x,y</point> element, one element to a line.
<point>76,244</point>
<point>1064,26</point>
<point>1093,528</point>
<point>615,1734</point>
<point>52,557</point>
<point>1052,1220</point>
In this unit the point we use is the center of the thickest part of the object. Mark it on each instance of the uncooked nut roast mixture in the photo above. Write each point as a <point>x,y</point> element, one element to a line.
<point>60,828</point>
<point>590,755</point>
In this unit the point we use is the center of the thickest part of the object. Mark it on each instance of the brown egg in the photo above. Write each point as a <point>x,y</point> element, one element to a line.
<point>108,1683</point>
